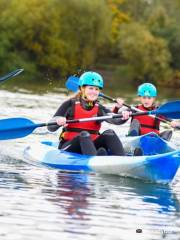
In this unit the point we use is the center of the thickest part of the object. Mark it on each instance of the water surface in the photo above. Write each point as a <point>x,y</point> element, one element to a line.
<point>37,202</point>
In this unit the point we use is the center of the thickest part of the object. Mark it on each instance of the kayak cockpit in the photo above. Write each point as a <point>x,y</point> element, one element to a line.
<point>151,144</point>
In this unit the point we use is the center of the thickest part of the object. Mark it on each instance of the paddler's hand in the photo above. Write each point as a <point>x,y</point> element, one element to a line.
<point>126,115</point>
<point>119,103</point>
<point>175,124</point>
<point>61,121</point>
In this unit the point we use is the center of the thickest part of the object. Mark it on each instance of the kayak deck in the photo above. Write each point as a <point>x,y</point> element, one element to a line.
<point>159,163</point>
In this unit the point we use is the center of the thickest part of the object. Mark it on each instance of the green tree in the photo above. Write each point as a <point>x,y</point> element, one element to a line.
<point>146,57</point>
<point>162,23</point>
<point>85,29</point>
<point>56,36</point>
<point>161,18</point>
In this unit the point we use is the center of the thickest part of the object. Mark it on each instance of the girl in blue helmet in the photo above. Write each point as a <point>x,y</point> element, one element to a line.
<point>140,125</point>
<point>84,137</point>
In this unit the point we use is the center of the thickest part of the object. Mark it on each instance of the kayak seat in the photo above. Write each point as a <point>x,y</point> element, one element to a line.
<point>153,144</point>
<point>138,152</point>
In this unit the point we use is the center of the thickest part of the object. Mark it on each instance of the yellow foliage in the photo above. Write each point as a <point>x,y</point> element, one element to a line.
<point>118,17</point>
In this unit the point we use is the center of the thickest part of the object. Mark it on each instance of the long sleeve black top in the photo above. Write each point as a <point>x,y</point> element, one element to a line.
<point>65,110</point>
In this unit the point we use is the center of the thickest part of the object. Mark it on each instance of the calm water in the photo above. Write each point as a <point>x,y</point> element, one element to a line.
<point>37,202</point>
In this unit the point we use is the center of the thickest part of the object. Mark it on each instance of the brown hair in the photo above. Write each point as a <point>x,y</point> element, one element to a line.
<point>76,95</point>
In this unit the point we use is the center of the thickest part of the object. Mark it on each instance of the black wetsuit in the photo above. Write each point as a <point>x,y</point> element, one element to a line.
<point>83,143</point>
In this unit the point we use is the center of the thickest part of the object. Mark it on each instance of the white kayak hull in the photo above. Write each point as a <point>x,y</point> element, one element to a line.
<point>156,167</point>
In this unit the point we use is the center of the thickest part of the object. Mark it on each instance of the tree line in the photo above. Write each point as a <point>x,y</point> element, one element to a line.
<point>139,39</point>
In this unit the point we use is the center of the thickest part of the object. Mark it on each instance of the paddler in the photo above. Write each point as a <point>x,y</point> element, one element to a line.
<point>85,137</point>
<point>141,125</point>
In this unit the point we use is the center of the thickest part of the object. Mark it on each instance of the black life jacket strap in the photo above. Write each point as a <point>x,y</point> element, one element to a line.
<point>67,129</point>
<point>151,127</point>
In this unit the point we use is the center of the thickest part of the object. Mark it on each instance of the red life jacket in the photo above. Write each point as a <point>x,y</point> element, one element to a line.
<point>147,124</point>
<point>73,129</point>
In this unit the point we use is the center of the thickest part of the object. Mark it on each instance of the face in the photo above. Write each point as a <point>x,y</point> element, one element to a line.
<point>91,92</point>
<point>147,102</point>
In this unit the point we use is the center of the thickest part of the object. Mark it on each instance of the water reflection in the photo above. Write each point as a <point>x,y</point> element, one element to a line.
<point>161,195</point>
<point>72,192</point>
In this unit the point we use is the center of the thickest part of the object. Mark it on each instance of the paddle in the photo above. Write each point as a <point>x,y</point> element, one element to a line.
<point>11,74</point>
<point>72,84</point>
<point>20,127</point>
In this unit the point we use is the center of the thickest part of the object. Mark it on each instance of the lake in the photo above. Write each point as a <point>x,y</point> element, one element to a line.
<point>37,202</point>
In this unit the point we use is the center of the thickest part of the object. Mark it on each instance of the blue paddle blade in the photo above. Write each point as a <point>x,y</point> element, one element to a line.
<point>12,128</point>
<point>72,83</point>
<point>169,110</point>
<point>11,74</point>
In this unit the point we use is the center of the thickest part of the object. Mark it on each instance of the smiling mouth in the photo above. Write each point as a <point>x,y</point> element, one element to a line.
<point>93,95</point>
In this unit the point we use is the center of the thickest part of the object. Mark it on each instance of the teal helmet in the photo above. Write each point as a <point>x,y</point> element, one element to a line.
<point>91,79</point>
<point>147,90</point>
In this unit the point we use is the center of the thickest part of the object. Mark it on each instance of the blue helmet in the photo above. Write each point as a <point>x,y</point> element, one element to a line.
<point>147,90</point>
<point>92,79</point>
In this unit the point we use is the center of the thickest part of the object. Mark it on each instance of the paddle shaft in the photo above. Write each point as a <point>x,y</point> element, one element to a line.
<point>101,118</point>
<point>114,100</point>
<point>11,74</point>
<point>13,128</point>
<point>37,125</point>
<point>20,127</point>
<point>135,109</point>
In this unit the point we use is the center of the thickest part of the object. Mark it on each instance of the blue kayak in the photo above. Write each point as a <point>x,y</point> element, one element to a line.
<point>159,163</point>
